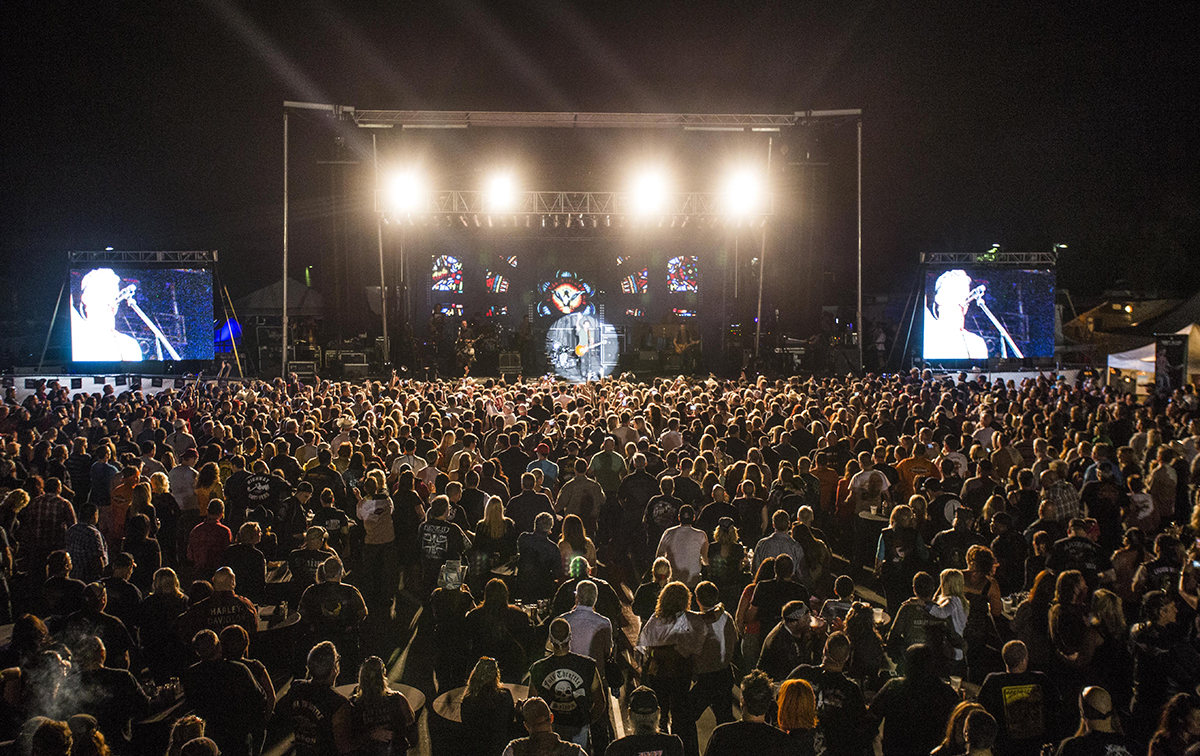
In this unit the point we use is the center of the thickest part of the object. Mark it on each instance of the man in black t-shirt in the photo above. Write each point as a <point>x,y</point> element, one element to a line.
<point>333,519</point>
<point>840,704</point>
<point>1100,737</point>
<point>440,540</point>
<point>770,596</point>
<point>1023,702</point>
<point>570,684</point>
<point>950,547</point>
<point>752,735</point>
<point>645,740</point>
<point>1078,552</point>
<point>332,610</point>
<point>303,562</point>
<point>319,715</point>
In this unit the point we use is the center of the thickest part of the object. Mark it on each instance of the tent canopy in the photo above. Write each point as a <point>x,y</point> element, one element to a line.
<point>302,301</point>
<point>1142,358</point>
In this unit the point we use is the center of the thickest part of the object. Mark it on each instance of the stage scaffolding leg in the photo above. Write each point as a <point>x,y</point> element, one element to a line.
<point>50,330</point>
<point>383,303</point>
<point>237,360</point>
<point>762,264</point>
<point>284,355</point>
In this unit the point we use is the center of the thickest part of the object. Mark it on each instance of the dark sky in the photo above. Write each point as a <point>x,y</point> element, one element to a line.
<point>157,125</point>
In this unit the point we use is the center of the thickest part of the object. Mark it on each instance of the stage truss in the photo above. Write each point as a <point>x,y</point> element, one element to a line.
<point>995,258</point>
<point>121,256</point>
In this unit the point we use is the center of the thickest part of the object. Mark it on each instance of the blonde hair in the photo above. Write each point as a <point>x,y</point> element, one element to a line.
<point>160,483</point>
<point>953,583</point>
<point>493,525</point>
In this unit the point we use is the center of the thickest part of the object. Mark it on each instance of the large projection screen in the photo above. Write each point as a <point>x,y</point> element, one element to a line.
<point>138,313</point>
<point>986,313</point>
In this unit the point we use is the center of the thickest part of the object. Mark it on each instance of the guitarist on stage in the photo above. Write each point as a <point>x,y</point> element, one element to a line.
<point>683,348</point>
<point>587,336</point>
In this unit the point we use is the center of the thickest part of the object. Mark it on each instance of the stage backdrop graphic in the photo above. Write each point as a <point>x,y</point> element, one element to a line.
<point>982,313</point>
<point>130,314</point>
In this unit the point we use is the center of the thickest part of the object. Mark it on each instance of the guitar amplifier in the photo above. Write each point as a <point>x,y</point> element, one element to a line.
<point>354,370</point>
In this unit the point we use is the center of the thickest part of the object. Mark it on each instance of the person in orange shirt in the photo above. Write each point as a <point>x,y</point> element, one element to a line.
<point>916,466</point>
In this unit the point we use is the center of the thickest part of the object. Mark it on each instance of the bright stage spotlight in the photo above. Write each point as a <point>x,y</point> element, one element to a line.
<point>743,193</point>
<point>405,192</point>
<point>649,194</point>
<point>501,194</point>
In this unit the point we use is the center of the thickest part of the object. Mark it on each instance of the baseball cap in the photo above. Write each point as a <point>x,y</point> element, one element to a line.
<point>536,712</point>
<point>542,449</point>
<point>795,610</point>
<point>643,701</point>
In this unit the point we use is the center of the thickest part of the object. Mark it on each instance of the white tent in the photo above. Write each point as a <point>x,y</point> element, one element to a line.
<point>1142,358</point>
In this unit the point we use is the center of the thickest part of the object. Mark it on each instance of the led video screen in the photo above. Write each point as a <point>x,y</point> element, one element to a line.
<point>978,314</point>
<point>131,314</point>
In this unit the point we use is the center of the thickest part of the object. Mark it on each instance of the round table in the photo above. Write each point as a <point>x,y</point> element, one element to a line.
<point>448,706</point>
<point>416,699</point>
<point>266,616</point>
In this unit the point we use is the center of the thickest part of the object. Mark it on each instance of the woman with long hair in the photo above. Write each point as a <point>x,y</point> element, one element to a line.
<point>1031,621</point>
<point>575,542</point>
<point>798,716</point>
<point>1178,727</point>
<point>208,486</point>
<point>983,606</point>
<point>1112,666</point>
<point>381,719</point>
<point>494,545</point>
<point>868,661</point>
<point>668,641</point>
<point>141,502</point>
<point>726,560</point>
<point>167,510</point>
<point>955,741</point>
<point>487,709</point>
<point>748,624</point>
<point>165,652</point>
<point>951,603</point>
<point>899,556</point>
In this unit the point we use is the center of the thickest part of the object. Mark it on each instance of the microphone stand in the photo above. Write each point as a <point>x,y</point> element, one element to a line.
<point>158,332</point>
<point>1003,331</point>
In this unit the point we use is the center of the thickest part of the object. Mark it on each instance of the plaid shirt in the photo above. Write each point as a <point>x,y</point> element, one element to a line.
<point>1063,500</point>
<point>89,553</point>
<point>42,526</point>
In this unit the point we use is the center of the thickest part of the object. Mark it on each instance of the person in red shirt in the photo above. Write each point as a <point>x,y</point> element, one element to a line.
<point>208,540</point>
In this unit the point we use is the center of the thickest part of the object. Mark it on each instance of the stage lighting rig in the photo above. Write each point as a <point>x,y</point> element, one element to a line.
<point>406,192</point>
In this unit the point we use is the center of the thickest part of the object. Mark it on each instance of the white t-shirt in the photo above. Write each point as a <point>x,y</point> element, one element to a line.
<point>681,545</point>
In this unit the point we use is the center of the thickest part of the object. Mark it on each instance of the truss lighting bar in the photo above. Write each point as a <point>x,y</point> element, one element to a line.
<point>992,258</point>
<point>693,204</point>
<point>689,121</point>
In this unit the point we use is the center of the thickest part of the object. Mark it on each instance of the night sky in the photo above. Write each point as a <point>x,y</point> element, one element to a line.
<point>158,125</point>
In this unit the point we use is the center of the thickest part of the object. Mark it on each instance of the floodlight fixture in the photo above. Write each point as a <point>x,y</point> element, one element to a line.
<point>743,193</point>
<point>649,194</point>
<point>405,192</point>
<point>501,194</point>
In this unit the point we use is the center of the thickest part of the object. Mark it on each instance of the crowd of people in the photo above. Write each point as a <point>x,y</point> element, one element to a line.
<point>675,545</point>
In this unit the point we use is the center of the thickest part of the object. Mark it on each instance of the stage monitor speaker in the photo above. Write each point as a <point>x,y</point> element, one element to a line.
<point>354,370</point>
<point>76,384</point>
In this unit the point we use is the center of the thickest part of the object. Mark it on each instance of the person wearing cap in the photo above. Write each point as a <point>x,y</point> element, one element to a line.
<point>542,739</point>
<point>685,547</point>
<point>549,469</point>
<point>570,683</point>
<point>752,734</point>
<point>794,641</point>
<point>1099,733</point>
<point>645,737</point>
<point>124,597</point>
<point>179,439</point>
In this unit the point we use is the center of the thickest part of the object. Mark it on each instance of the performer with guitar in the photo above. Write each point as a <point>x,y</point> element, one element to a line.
<point>587,339</point>
<point>683,347</point>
